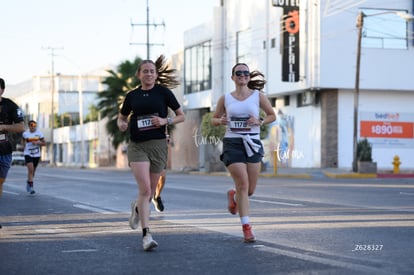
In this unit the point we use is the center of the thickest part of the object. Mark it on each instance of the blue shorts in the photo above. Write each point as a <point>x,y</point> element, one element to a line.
<point>5,164</point>
<point>234,151</point>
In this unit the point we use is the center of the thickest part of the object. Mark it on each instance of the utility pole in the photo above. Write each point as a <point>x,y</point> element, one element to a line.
<point>82,139</point>
<point>147,25</point>
<point>52,84</point>
<point>360,23</point>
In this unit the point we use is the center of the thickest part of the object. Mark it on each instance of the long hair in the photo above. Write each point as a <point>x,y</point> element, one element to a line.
<point>2,84</point>
<point>166,76</point>
<point>257,79</point>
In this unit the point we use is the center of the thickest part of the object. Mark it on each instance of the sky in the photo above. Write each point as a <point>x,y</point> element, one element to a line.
<point>86,35</point>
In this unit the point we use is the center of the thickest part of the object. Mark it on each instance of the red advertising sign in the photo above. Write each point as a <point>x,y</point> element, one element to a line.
<point>387,129</point>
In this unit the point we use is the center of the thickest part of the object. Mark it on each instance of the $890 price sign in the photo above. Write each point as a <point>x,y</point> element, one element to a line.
<point>387,129</point>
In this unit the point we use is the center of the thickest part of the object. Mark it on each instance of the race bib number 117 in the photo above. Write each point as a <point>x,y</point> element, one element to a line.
<point>144,123</point>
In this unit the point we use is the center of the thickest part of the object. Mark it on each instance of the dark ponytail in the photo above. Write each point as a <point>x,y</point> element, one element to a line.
<point>166,76</point>
<point>257,81</point>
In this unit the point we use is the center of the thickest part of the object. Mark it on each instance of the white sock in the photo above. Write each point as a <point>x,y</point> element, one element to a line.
<point>244,220</point>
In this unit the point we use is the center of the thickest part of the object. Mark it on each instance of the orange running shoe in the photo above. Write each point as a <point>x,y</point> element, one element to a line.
<point>232,206</point>
<point>248,234</point>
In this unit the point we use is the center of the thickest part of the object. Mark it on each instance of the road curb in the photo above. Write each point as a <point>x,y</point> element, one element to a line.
<point>297,176</point>
<point>309,176</point>
<point>349,175</point>
<point>366,176</point>
<point>262,175</point>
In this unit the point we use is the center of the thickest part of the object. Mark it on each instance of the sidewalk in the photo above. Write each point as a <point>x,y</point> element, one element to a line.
<point>307,173</point>
<point>333,173</point>
<point>303,173</point>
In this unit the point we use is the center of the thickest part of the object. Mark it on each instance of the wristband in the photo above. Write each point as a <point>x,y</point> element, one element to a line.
<point>261,121</point>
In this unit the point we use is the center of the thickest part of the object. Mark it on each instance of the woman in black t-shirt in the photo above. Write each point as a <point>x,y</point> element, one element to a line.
<point>11,121</point>
<point>146,107</point>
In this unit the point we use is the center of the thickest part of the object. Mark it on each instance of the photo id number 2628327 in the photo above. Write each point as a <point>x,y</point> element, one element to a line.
<point>368,247</point>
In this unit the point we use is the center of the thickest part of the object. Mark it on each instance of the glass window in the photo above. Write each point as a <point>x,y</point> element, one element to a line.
<point>384,29</point>
<point>197,70</point>
<point>244,46</point>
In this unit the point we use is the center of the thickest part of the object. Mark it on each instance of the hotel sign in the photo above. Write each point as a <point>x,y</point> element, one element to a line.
<point>290,44</point>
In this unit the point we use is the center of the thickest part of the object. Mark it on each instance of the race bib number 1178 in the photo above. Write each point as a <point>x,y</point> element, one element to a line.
<point>238,124</point>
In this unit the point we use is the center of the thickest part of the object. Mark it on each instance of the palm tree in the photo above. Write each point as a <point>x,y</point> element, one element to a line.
<point>118,83</point>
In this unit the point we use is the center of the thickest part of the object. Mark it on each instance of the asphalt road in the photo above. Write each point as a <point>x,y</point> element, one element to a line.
<point>77,223</point>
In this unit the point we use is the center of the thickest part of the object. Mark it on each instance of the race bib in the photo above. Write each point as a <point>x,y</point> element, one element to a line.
<point>144,123</point>
<point>239,124</point>
<point>34,151</point>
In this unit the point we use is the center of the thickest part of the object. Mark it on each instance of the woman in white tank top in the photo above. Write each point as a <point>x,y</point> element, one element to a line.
<point>242,148</point>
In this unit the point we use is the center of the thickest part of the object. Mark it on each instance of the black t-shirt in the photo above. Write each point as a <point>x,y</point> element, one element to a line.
<point>142,104</point>
<point>9,113</point>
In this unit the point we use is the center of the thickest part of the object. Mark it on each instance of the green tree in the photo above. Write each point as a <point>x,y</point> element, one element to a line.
<point>93,114</point>
<point>117,84</point>
<point>208,130</point>
<point>56,121</point>
<point>364,150</point>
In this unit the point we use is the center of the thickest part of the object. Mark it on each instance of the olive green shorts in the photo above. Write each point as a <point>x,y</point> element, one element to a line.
<point>153,151</point>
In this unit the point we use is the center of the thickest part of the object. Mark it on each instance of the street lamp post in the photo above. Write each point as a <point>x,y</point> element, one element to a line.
<point>360,25</point>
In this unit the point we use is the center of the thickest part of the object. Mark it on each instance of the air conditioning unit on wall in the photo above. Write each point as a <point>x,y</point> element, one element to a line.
<point>306,98</point>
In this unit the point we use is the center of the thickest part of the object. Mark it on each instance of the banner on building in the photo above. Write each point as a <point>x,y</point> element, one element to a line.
<point>388,129</point>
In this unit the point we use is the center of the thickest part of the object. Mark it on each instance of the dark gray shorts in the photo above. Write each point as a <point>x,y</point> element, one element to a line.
<point>152,151</point>
<point>234,151</point>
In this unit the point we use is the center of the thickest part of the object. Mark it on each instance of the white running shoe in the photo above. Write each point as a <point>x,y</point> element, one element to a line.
<point>148,243</point>
<point>134,218</point>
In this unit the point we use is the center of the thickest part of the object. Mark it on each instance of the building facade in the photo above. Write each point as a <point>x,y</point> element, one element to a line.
<point>308,51</point>
<point>67,98</point>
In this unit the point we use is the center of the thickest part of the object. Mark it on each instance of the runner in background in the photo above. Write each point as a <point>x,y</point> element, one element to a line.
<point>33,141</point>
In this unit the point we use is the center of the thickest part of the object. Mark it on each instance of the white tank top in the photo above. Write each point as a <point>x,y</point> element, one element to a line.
<point>238,111</point>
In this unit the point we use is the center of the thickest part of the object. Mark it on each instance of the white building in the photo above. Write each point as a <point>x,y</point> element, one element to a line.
<point>74,143</point>
<point>308,53</point>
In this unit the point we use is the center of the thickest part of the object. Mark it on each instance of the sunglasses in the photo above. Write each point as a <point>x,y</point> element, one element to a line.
<point>240,73</point>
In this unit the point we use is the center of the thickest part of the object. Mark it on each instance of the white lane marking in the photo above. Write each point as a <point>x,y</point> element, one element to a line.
<point>94,209</point>
<point>9,192</point>
<point>321,260</point>
<point>79,250</point>
<point>49,230</point>
<point>277,202</point>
